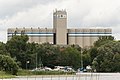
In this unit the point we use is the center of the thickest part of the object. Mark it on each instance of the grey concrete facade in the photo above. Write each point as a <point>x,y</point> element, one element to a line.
<point>59,34</point>
<point>60,26</point>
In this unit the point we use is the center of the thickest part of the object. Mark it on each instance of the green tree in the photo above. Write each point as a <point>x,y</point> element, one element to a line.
<point>47,55</point>
<point>8,64</point>
<point>108,55</point>
<point>93,52</point>
<point>3,50</point>
<point>30,55</point>
<point>70,57</point>
<point>86,57</point>
<point>17,46</point>
<point>103,40</point>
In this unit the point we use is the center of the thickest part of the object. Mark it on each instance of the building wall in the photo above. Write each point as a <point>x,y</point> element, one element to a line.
<point>71,37</point>
<point>81,37</point>
<point>86,37</point>
<point>34,35</point>
<point>12,31</point>
<point>60,26</point>
<point>37,35</point>
<point>28,31</point>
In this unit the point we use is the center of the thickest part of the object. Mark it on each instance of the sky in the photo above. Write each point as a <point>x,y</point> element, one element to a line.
<point>39,13</point>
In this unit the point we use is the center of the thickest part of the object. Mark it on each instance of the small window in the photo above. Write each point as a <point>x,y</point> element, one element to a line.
<point>61,15</point>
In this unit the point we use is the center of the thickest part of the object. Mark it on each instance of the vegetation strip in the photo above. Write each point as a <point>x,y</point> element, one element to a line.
<point>18,53</point>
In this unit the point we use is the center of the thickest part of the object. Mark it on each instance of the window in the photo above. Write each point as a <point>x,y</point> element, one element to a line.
<point>61,16</point>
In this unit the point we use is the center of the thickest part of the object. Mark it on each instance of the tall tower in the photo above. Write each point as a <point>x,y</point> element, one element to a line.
<point>60,26</point>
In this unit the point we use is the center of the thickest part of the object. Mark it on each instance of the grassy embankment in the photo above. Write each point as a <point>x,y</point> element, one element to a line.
<point>26,72</point>
<point>5,75</point>
<point>29,73</point>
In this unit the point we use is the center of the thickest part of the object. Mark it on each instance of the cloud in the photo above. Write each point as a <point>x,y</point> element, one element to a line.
<point>3,36</point>
<point>81,13</point>
<point>11,7</point>
<point>33,17</point>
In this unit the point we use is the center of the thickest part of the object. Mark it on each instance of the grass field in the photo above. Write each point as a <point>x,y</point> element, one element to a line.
<point>26,72</point>
<point>30,73</point>
<point>5,75</point>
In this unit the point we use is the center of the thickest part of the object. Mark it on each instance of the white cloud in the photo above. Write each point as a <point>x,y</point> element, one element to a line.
<point>11,7</point>
<point>38,13</point>
<point>3,36</point>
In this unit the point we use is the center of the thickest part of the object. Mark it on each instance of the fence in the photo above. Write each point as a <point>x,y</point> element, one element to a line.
<point>89,76</point>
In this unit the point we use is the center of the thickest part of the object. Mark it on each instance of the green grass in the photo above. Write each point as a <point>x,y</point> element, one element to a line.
<point>51,72</point>
<point>5,75</point>
<point>29,73</point>
<point>26,72</point>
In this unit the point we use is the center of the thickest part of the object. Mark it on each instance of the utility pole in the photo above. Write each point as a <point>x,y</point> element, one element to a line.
<point>36,60</point>
<point>81,60</point>
<point>27,62</point>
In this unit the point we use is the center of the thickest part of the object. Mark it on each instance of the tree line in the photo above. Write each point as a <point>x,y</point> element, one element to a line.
<point>103,56</point>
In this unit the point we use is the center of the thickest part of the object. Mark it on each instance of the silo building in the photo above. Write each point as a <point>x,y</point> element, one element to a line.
<point>60,34</point>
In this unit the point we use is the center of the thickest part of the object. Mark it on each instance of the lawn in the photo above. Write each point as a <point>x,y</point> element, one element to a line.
<point>5,75</point>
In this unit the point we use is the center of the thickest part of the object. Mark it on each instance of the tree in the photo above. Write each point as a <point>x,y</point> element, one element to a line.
<point>86,58</point>
<point>70,57</point>
<point>108,55</point>
<point>47,55</point>
<point>17,46</point>
<point>30,55</point>
<point>3,50</point>
<point>8,64</point>
<point>103,40</point>
<point>93,52</point>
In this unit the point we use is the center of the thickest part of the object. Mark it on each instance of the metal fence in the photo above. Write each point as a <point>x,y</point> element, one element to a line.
<point>57,77</point>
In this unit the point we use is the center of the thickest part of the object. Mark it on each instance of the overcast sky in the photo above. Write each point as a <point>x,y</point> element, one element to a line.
<point>38,13</point>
